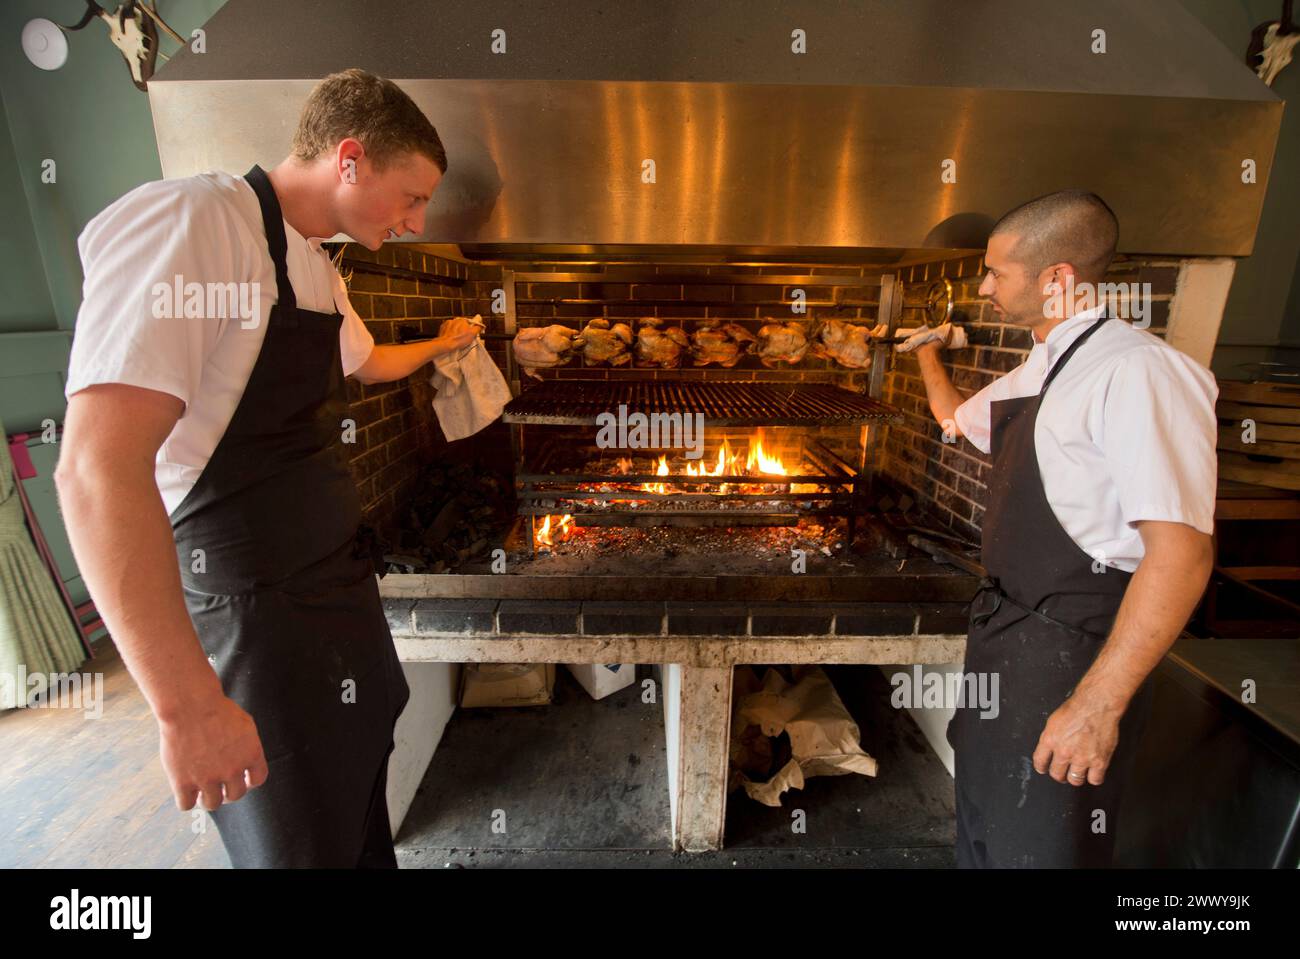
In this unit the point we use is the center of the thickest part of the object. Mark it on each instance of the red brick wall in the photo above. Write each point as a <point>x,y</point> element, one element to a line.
<point>397,290</point>
<point>399,287</point>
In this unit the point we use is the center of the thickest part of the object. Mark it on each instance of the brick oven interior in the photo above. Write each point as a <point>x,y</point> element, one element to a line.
<point>911,478</point>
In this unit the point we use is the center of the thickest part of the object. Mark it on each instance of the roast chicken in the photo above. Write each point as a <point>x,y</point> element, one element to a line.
<point>606,344</point>
<point>658,347</point>
<point>848,344</point>
<point>714,342</point>
<point>781,343</point>
<point>545,347</point>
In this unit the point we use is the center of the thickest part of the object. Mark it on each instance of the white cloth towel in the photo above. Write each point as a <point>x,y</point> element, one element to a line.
<point>471,390</point>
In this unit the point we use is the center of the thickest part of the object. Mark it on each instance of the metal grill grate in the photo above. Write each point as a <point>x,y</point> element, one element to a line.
<point>723,403</point>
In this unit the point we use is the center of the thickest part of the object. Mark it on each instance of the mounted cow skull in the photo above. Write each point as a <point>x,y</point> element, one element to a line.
<point>1271,45</point>
<point>131,28</point>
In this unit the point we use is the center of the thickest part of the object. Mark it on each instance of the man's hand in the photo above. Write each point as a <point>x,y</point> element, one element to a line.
<point>1080,737</point>
<point>457,324</point>
<point>1078,741</point>
<point>457,333</point>
<point>209,751</point>
<point>395,361</point>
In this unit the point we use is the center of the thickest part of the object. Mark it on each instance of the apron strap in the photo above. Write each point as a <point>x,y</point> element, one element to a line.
<point>1070,351</point>
<point>991,584</point>
<point>273,220</point>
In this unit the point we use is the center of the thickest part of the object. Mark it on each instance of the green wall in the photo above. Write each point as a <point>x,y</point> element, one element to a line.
<point>91,120</point>
<point>26,303</point>
<point>96,126</point>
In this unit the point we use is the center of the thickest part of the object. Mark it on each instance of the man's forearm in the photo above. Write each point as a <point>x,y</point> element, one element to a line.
<point>944,397</point>
<point>388,362</point>
<point>1159,600</point>
<point>122,540</point>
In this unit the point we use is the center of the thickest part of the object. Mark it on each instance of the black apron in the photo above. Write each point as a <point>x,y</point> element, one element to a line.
<point>1038,622</point>
<point>284,598</point>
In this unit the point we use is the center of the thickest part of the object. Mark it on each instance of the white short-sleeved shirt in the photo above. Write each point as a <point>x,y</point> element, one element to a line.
<point>1126,432</point>
<point>205,229</point>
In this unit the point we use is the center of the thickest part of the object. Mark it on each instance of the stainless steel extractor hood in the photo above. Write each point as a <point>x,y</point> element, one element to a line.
<point>754,144</point>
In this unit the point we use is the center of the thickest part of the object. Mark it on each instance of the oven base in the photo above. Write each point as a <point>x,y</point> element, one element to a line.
<point>697,692</point>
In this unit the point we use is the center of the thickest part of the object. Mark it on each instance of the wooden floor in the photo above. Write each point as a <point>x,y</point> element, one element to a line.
<point>81,791</point>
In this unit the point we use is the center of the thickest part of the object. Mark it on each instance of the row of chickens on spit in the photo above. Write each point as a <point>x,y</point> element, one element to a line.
<point>712,342</point>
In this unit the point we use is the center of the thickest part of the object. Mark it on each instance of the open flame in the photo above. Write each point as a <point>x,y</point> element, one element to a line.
<point>756,462</point>
<point>543,535</point>
<point>766,464</point>
<point>661,471</point>
<point>761,463</point>
<point>720,469</point>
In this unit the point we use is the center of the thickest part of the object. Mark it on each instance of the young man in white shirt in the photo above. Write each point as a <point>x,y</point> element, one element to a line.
<point>1096,539</point>
<point>203,473</point>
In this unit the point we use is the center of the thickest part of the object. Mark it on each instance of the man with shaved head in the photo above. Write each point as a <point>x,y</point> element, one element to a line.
<point>1071,226</point>
<point>1096,540</point>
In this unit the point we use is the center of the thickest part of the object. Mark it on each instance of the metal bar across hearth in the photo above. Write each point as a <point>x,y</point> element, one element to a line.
<point>579,402</point>
<point>752,479</point>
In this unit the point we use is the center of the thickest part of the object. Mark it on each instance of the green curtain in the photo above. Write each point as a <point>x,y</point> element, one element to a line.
<point>37,634</point>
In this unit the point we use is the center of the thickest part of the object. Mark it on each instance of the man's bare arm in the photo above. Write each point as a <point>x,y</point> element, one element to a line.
<point>122,540</point>
<point>1161,596</point>
<point>390,362</point>
<point>943,396</point>
<point>1164,591</point>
